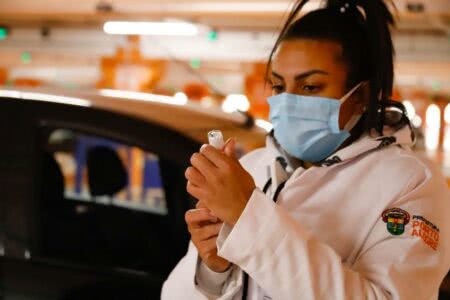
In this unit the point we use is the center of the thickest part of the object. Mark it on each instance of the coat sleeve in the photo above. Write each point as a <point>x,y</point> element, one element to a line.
<point>182,284</point>
<point>288,262</point>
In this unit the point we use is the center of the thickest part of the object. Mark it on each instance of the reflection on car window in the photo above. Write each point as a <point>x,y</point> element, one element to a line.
<point>104,171</point>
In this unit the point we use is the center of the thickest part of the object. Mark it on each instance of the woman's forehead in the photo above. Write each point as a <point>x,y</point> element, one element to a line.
<point>301,55</point>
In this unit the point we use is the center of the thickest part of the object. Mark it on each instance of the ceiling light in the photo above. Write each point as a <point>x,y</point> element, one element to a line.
<point>181,97</point>
<point>447,114</point>
<point>235,102</point>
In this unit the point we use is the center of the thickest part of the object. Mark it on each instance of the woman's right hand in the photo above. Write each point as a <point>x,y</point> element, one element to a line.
<point>204,229</point>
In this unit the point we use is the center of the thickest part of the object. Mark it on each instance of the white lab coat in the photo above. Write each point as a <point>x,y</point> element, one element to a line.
<point>325,238</point>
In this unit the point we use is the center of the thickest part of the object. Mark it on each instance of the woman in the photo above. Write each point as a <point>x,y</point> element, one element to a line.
<point>336,206</point>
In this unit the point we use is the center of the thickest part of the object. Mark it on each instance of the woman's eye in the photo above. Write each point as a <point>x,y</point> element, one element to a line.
<point>310,88</point>
<point>277,88</point>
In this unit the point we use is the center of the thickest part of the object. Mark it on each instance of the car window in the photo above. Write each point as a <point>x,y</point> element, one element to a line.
<point>107,172</point>
<point>103,202</point>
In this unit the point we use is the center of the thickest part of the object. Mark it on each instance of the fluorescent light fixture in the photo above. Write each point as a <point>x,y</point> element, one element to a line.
<point>142,97</point>
<point>44,97</point>
<point>447,141</point>
<point>447,114</point>
<point>447,130</point>
<point>433,116</point>
<point>267,126</point>
<point>236,102</point>
<point>151,28</point>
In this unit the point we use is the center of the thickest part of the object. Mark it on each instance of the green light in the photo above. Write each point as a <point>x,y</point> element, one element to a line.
<point>26,57</point>
<point>3,33</point>
<point>196,63</point>
<point>436,85</point>
<point>212,35</point>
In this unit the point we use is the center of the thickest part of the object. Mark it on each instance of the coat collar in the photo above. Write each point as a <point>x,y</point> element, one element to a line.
<point>366,143</point>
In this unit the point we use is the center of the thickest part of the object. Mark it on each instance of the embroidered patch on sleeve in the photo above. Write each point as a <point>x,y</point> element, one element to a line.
<point>396,219</point>
<point>426,230</point>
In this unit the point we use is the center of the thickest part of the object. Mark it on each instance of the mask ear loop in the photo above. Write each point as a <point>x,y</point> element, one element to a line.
<point>346,96</point>
<point>355,118</point>
<point>352,122</point>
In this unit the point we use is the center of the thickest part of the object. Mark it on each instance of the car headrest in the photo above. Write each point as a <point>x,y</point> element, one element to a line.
<point>106,172</point>
<point>52,180</point>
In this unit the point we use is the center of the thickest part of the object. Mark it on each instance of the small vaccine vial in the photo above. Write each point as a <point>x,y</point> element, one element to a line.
<point>215,138</point>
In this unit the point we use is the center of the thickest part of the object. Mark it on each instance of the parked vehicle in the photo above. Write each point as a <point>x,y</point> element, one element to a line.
<point>93,192</point>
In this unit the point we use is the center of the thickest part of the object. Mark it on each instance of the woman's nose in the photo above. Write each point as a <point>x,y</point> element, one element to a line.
<point>291,89</point>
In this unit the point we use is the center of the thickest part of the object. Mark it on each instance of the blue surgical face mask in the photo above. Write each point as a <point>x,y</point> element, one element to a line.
<point>307,127</point>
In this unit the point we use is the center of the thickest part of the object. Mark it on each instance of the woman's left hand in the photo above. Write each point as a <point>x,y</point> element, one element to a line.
<point>218,180</point>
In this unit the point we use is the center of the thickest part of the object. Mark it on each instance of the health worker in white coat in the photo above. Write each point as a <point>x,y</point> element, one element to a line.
<point>336,206</point>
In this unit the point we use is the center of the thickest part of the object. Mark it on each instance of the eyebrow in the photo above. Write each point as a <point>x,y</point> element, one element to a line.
<point>303,75</point>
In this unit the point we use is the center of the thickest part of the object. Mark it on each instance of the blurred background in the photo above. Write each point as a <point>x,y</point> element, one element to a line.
<point>210,51</point>
<point>93,194</point>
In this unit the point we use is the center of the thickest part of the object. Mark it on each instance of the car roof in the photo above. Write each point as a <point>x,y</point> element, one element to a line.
<point>190,119</point>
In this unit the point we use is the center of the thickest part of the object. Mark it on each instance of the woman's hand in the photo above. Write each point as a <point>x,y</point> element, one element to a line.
<point>217,179</point>
<point>204,229</point>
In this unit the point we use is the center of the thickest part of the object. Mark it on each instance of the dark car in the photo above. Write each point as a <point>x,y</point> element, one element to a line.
<point>93,192</point>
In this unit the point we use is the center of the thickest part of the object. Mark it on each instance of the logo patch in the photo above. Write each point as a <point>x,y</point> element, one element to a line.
<point>396,219</point>
<point>427,231</point>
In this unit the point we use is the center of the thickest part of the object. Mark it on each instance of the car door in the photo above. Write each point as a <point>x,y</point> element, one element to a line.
<point>93,202</point>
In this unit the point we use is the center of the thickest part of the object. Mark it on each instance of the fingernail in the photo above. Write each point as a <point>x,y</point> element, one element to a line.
<point>203,147</point>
